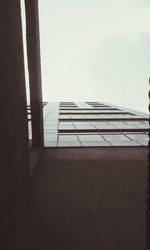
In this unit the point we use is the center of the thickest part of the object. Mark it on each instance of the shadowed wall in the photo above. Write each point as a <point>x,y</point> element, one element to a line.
<point>14,160</point>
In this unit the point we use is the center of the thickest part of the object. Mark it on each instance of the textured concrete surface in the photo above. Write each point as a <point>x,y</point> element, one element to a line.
<point>87,199</point>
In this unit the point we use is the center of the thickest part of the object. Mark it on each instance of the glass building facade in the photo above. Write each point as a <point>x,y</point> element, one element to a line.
<point>92,124</point>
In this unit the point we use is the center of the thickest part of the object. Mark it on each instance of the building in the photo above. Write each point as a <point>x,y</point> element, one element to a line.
<point>93,124</point>
<point>91,181</point>
<point>58,188</point>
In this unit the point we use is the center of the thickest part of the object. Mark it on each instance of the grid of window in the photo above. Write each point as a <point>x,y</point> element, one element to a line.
<point>93,124</point>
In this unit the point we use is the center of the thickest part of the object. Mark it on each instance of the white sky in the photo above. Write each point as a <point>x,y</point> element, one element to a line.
<point>96,50</point>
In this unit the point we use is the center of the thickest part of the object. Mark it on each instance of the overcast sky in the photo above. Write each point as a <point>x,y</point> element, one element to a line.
<point>96,50</point>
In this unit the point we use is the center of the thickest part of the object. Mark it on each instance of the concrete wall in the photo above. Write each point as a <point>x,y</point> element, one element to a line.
<point>14,153</point>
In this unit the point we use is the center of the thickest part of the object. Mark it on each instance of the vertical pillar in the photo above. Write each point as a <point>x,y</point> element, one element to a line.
<point>148,183</point>
<point>34,64</point>
<point>14,154</point>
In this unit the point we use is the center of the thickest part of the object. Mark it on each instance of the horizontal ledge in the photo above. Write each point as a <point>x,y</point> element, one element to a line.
<point>97,113</point>
<point>104,119</point>
<point>101,130</point>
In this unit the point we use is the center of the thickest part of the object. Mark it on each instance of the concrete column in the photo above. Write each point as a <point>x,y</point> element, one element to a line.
<point>34,64</point>
<point>14,153</point>
<point>148,184</point>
